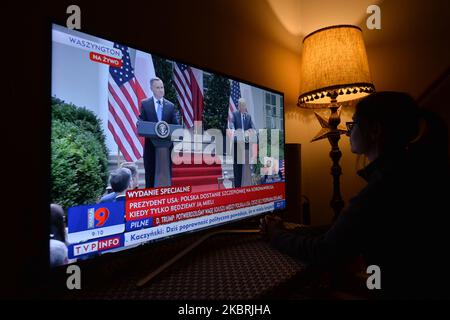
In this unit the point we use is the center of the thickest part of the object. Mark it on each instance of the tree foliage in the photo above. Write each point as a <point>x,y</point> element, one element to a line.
<point>215,114</point>
<point>79,170</point>
<point>164,71</point>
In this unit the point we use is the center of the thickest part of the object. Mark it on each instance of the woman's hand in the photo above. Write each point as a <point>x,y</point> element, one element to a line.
<point>269,225</point>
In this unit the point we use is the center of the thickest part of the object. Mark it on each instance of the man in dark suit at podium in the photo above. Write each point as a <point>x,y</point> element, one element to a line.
<point>155,109</point>
<point>241,120</point>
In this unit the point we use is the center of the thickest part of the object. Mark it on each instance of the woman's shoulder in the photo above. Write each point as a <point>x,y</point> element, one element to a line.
<point>371,196</point>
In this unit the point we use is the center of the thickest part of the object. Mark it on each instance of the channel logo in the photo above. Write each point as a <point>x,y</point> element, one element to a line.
<point>95,246</point>
<point>97,217</point>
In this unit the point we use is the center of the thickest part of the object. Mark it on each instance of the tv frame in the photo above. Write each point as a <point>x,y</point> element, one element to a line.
<point>91,265</point>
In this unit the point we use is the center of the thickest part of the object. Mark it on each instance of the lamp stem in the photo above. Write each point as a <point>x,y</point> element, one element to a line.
<point>336,202</point>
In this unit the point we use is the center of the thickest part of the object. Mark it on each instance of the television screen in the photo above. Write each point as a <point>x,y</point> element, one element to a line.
<point>145,148</point>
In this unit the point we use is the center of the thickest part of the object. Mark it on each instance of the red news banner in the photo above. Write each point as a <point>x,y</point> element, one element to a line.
<point>101,58</point>
<point>170,204</point>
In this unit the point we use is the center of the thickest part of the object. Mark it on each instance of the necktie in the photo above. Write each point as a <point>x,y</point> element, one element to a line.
<point>159,110</point>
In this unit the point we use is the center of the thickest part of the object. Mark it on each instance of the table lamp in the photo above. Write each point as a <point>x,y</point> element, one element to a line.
<point>334,68</point>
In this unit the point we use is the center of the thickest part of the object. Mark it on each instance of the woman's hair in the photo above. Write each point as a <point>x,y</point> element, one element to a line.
<point>388,121</point>
<point>392,121</point>
<point>132,166</point>
<point>431,146</point>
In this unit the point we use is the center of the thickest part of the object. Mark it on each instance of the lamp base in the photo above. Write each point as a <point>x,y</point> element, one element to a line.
<point>331,131</point>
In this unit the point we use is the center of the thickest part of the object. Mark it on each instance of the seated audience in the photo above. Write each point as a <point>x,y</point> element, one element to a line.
<point>58,247</point>
<point>120,181</point>
<point>111,195</point>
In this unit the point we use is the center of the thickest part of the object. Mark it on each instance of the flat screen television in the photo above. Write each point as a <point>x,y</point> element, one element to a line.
<point>145,148</point>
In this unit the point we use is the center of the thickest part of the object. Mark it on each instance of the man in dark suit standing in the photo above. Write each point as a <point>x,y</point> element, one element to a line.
<point>241,120</point>
<point>155,109</point>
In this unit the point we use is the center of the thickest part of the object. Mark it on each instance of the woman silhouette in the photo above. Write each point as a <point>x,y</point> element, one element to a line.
<point>399,220</point>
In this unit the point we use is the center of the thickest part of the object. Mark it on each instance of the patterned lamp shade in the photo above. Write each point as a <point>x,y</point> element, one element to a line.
<point>334,62</point>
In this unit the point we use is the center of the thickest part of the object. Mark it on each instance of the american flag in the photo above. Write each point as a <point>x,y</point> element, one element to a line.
<point>235,94</point>
<point>124,96</point>
<point>189,86</point>
<point>282,169</point>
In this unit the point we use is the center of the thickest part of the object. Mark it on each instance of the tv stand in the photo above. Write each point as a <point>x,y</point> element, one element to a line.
<point>142,282</point>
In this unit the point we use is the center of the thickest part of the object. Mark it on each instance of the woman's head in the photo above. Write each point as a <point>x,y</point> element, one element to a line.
<point>57,229</point>
<point>384,122</point>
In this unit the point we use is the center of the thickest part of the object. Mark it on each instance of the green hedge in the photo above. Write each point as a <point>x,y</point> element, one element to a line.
<point>82,117</point>
<point>79,170</point>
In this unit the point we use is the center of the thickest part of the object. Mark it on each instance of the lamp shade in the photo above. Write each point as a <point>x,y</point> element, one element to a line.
<point>334,59</point>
